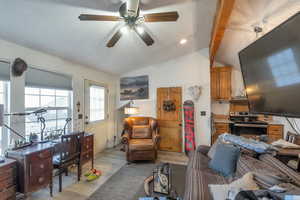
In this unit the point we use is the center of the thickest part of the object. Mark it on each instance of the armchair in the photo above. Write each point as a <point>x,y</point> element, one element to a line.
<point>141,138</point>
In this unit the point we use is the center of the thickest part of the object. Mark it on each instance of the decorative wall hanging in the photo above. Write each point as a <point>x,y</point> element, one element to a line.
<point>195,92</point>
<point>132,88</point>
<point>19,67</point>
<point>169,106</point>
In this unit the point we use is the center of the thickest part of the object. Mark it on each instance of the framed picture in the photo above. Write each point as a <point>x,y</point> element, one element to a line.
<point>132,88</point>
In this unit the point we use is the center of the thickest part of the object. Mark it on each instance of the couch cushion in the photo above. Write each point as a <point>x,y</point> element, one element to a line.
<point>225,159</point>
<point>212,150</point>
<point>141,144</point>
<point>140,121</point>
<point>249,164</point>
<point>271,161</point>
<point>245,183</point>
<point>141,132</point>
<point>198,182</point>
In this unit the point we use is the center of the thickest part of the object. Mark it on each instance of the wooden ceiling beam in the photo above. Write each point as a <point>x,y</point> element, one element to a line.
<point>221,20</point>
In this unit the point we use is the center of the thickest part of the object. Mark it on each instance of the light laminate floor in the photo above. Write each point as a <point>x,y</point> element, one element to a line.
<point>109,162</point>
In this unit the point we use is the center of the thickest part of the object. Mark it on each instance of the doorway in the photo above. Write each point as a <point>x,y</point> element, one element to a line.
<point>169,116</point>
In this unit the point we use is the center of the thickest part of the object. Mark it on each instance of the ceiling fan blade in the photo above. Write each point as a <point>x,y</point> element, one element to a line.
<point>145,37</point>
<point>114,39</point>
<point>162,17</point>
<point>87,17</point>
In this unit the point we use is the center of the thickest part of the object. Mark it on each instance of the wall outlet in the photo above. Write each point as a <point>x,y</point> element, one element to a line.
<point>203,113</point>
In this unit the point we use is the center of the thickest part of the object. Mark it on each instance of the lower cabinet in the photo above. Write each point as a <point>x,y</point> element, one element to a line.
<point>275,132</point>
<point>219,129</point>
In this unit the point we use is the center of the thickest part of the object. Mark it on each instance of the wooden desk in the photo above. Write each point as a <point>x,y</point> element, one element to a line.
<point>34,163</point>
<point>8,180</point>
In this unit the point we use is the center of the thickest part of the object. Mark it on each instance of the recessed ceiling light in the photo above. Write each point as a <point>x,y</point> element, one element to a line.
<point>140,30</point>
<point>124,30</point>
<point>183,41</point>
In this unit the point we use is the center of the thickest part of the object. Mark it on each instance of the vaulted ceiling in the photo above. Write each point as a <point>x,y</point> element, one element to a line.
<point>247,14</point>
<point>52,26</point>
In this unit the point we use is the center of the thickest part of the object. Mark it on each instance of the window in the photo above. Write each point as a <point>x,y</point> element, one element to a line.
<point>4,93</point>
<point>57,103</point>
<point>97,103</point>
<point>284,68</point>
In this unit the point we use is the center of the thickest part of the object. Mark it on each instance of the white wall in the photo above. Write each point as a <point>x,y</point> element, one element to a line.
<point>104,130</point>
<point>186,71</point>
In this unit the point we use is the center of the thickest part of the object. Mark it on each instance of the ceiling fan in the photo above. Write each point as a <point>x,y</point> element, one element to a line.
<point>130,14</point>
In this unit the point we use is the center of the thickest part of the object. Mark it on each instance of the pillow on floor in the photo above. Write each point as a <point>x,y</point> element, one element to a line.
<point>225,159</point>
<point>220,192</point>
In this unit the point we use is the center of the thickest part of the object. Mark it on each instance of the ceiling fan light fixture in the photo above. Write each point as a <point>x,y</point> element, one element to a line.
<point>124,30</point>
<point>183,41</point>
<point>140,30</point>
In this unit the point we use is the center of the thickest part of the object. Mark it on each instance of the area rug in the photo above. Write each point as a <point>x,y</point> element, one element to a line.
<point>128,182</point>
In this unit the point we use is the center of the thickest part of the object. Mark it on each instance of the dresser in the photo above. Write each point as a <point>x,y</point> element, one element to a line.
<point>8,180</point>
<point>34,167</point>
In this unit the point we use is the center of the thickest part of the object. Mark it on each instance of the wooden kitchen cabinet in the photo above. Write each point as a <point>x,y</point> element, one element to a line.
<point>221,83</point>
<point>219,129</point>
<point>275,132</point>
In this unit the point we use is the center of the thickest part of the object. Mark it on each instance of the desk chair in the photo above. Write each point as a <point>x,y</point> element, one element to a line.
<point>68,154</point>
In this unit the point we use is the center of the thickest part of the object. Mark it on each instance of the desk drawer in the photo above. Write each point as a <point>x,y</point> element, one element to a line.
<point>40,167</point>
<point>86,157</point>
<point>35,157</point>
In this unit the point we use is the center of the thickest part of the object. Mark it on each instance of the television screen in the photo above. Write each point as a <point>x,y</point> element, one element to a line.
<point>271,71</point>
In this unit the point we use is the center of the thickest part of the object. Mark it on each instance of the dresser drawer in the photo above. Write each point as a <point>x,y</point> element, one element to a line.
<point>9,182</point>
<point>6,173</point>
<point>275,128</point>
<point>86,157</point>
<point>8,194</point>
<point>35,157</point>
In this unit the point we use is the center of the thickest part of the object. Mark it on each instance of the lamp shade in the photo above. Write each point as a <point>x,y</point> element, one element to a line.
<point>131,110</point>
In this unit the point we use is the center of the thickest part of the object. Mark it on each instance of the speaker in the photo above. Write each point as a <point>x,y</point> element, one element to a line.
<point>19,67</point>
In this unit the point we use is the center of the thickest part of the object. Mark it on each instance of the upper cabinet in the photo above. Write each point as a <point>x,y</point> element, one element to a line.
<point>221,83</point>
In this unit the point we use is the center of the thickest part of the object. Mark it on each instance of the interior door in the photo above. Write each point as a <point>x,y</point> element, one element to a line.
<point>96,113</point>
<point>169,115</point>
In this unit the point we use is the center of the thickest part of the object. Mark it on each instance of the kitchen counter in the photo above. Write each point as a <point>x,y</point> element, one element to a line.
<point>225,121</point>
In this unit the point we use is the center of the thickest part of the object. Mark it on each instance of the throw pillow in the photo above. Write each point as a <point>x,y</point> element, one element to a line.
<point>212,150</point>
<point>221,192</point>
<point>225,159</point>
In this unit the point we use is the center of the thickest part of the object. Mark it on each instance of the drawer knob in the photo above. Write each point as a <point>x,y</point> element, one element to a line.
<point>42,166</point>
<point>87,146</point>
<point>41,179</point>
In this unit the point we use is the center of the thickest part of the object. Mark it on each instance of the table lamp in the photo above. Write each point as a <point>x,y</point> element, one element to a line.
<point>131,110</point>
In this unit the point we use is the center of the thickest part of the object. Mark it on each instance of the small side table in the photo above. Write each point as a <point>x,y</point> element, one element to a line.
<point>285,155</point>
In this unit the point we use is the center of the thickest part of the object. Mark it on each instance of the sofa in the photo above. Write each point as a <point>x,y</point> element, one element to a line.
<point>199,175</point>
<point>140,138</point>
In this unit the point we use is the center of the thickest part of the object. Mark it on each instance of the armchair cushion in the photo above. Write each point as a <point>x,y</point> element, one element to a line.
<point>141,144</point>
<point>141,132</point>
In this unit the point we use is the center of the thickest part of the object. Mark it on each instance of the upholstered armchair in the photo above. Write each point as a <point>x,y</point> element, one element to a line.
<point>140,138</point>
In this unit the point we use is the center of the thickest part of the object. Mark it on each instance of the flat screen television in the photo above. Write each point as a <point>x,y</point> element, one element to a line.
<point>271,71</point>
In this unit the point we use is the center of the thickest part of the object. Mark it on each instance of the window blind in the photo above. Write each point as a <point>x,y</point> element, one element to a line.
<point>45,79</point>
<point>4,71</point>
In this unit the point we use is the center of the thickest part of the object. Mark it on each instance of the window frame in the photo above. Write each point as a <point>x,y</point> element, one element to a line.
<point>5,134</point>
<point>88,85</point>
<point>50,108</point>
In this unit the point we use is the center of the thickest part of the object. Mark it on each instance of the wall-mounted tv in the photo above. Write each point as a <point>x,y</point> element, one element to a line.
<point>271,71</point>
